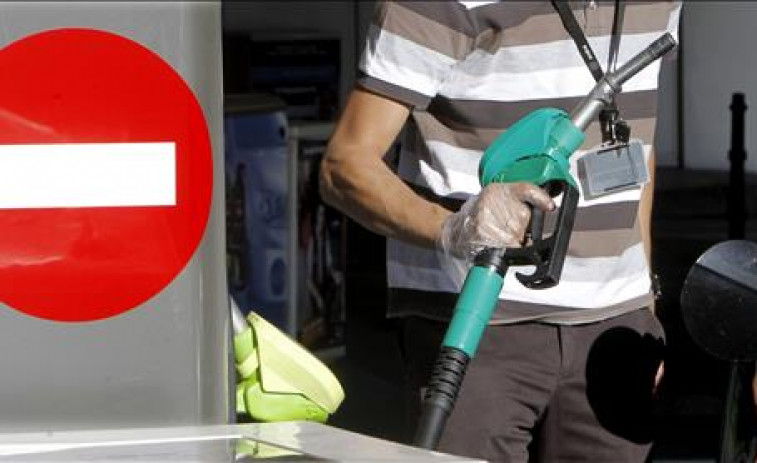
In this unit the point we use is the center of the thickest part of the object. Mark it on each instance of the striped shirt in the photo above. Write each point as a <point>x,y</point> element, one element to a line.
<point>469,69</point>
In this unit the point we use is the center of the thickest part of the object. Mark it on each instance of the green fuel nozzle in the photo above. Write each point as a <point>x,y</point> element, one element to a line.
<point>535,149</point>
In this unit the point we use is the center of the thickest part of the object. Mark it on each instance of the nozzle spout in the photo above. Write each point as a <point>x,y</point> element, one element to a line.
<point>610,85</point>
<point>646,57</point>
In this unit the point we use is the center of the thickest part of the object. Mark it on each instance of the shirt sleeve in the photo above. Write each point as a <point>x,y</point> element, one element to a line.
<point>412,46</point>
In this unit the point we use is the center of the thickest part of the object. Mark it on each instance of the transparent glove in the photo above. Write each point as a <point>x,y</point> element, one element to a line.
<point>498,217</point>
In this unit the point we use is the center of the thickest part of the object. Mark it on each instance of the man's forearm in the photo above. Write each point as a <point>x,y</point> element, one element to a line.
<point>645,210</point>
<point>369,192</point>
<point>645,221</point>
<point>356,180</point>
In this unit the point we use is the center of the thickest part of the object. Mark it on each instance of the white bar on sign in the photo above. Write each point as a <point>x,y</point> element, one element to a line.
<point>79,175</point>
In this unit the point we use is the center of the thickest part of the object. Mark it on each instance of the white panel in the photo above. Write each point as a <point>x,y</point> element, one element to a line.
<point>75,175</point>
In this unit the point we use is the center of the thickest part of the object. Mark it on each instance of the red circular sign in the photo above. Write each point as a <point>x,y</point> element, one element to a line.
<point>96,251</point>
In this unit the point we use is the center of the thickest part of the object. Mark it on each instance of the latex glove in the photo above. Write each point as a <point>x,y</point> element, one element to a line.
<point>498,217</point>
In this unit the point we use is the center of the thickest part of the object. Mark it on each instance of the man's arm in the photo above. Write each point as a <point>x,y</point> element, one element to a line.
<point>356,180</point>
<point>645,210</point>
<point>645,220</point>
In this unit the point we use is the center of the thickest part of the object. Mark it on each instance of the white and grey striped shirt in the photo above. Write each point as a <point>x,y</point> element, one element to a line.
<point>472,68</point>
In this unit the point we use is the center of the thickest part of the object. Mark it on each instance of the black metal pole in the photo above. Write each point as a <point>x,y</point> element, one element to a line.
<point>737,156</point>
<point>736,432</point>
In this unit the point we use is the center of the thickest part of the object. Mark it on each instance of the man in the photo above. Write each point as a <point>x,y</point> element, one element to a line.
<point>561,374</point>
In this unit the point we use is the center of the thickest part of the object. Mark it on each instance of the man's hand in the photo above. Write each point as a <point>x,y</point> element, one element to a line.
<point>497,217</point>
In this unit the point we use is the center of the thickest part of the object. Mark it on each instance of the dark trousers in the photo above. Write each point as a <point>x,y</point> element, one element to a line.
<point>547,393</point>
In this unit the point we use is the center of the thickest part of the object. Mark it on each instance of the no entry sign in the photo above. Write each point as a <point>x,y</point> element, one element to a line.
<point>105,174</point>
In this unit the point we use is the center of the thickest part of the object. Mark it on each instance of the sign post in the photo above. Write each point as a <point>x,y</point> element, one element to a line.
<point>113,296</point>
